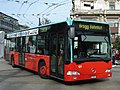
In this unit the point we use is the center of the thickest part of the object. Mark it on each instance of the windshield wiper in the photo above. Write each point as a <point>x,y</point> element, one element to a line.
<point>102,58</point>
<point>105,39</point>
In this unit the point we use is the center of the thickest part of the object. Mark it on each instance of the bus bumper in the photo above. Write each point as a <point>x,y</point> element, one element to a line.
<point>87,71</point>
<point>87,77</point>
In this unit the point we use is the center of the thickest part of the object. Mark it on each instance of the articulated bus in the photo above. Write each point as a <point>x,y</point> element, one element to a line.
<point>70,51</point>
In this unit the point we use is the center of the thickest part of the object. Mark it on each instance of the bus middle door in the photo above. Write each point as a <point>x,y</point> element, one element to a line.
<point>21,46</point>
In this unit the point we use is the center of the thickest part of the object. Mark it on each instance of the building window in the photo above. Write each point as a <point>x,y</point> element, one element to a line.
<point>89,4</point>
<point>112,5</point>
<point>114,24</point>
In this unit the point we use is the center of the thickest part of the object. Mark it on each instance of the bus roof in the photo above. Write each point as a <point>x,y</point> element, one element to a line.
<point>34,30</point>
<point>68,21</point>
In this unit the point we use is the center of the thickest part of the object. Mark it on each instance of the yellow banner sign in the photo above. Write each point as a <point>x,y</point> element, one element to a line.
<point>90,27</point>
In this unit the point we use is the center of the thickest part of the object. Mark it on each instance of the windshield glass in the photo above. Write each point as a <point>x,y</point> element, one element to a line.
<point>91,47</point>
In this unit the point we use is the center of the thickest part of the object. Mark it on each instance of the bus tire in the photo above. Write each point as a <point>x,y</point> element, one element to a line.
<point>42,70</point>
<point>13,62</point>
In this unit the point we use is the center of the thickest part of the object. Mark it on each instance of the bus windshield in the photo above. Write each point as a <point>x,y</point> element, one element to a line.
<point>91,47</point>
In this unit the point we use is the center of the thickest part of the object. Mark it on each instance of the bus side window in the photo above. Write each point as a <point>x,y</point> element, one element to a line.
<point>12,44</point>
<point>42,44</point>
<point>31,44</point>
<point>32,48</point>
<point>40,50</point>
<point>60,61</point>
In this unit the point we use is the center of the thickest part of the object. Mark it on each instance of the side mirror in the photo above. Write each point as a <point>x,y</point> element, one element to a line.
<point>72,32</point>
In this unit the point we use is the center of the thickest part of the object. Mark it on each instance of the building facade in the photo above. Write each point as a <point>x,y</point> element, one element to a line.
<point>8,23</point>
<point>98,10</point>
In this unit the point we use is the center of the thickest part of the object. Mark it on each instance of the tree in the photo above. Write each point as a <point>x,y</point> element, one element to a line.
<point>47,21</point>
<point>23,26</point>
<point>44,21</point>
<point>116,44</point>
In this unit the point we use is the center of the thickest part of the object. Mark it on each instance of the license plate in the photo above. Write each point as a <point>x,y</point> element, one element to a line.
<point>93,77</point>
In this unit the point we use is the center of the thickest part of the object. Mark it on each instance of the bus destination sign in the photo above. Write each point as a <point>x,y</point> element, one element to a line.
<point>23,33</point>
<point>90,27</point>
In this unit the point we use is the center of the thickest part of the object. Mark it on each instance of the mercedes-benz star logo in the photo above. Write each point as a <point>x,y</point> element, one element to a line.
<point>93,70</point>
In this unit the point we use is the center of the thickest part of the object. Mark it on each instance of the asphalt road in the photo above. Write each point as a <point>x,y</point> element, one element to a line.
<point>21,79</point>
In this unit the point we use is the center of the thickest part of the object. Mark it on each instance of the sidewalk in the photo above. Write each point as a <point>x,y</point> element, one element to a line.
<point>1,59</point>
<point>4,65</point>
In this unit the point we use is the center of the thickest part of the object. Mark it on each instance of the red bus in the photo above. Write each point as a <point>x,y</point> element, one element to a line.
<point>70,50</point>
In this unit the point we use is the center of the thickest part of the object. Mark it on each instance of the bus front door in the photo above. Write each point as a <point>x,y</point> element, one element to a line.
<point>56,62</point>
<point>21,56</point>
<point>53,50</point>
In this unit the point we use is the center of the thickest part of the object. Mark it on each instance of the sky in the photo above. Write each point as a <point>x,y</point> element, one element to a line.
<point>28,12</point>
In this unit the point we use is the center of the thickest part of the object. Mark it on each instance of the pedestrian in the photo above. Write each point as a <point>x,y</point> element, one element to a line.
<point>113,57</point>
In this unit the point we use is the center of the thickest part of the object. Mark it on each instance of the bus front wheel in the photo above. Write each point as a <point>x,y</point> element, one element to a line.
<point>42,70</point>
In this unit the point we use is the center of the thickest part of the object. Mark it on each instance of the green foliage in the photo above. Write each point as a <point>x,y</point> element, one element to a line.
<point>23,26</point>
<point>44,21</point>
<point>47,21</point>
<point>116,44</point>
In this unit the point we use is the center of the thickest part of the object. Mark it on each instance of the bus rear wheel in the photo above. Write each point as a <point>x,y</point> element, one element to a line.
<point>42,70</point>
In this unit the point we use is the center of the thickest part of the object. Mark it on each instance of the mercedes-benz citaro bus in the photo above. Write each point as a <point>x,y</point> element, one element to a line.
<point>70,51</point>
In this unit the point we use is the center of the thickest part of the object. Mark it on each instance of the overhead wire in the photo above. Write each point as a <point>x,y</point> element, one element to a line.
<point>28,9</point>
<point>46,9</point>
<point>23,15</point>
<point>27,19</point>
<point>22,5</point>
<point>56,7</point>
<point>23,20</point>
<point>30,5</point>
<point>18,15</point>
<point>44,12</point>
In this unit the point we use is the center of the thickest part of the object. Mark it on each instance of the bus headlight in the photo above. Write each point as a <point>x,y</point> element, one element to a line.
<point>74,73</point>
<point>108,70</point>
